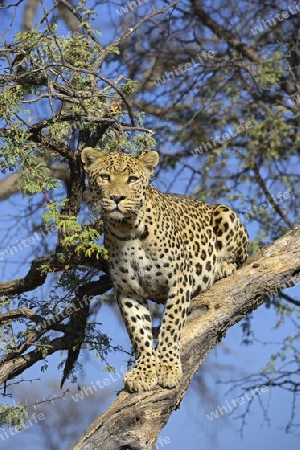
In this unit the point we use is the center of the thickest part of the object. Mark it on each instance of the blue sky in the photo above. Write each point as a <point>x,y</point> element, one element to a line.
<point>188,427</point>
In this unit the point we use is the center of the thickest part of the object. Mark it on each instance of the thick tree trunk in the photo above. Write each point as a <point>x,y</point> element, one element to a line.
<point>134,421</point>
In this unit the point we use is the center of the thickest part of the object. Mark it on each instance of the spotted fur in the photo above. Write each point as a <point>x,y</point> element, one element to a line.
<point>163,247</point>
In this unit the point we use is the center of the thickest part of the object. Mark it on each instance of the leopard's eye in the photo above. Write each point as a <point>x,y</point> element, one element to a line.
<point>104,176</point>
<point>132,179</point>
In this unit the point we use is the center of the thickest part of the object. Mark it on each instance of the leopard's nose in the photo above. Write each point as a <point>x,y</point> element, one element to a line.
<point>117,198</point>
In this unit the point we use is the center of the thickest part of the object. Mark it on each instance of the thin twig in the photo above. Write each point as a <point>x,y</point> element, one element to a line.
<point>267,193</point>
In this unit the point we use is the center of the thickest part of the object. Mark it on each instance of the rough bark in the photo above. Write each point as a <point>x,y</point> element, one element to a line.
<point>134,420</point>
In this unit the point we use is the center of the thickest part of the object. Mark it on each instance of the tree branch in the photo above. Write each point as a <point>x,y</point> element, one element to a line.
<point>289,299</point>
<point>268,195</point>
<point>35,277</point>
<point>16,362</point>
<point>31,281</point>
<point>16,366</point>
<point>233,42</point>
<point>123,38</point>
<point>136,419</point>
<point>23,311</point>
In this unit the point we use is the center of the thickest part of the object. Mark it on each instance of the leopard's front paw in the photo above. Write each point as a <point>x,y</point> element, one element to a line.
<point>169,375</point>
<point>141,378</point>
<point>226,269</point>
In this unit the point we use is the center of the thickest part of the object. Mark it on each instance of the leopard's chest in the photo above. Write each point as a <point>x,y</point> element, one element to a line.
<point>141,268</point>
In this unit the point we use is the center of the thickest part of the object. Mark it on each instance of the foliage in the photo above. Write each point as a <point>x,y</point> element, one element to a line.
<point>13,416</point>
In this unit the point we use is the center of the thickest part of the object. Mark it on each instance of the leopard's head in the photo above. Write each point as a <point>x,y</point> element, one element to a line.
<point>118,181</point>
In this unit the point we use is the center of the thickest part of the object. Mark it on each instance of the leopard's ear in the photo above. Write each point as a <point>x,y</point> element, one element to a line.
<point>149,161</point>
<point>89,155</point>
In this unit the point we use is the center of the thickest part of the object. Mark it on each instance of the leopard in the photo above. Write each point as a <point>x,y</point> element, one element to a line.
<point>162,247</point>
